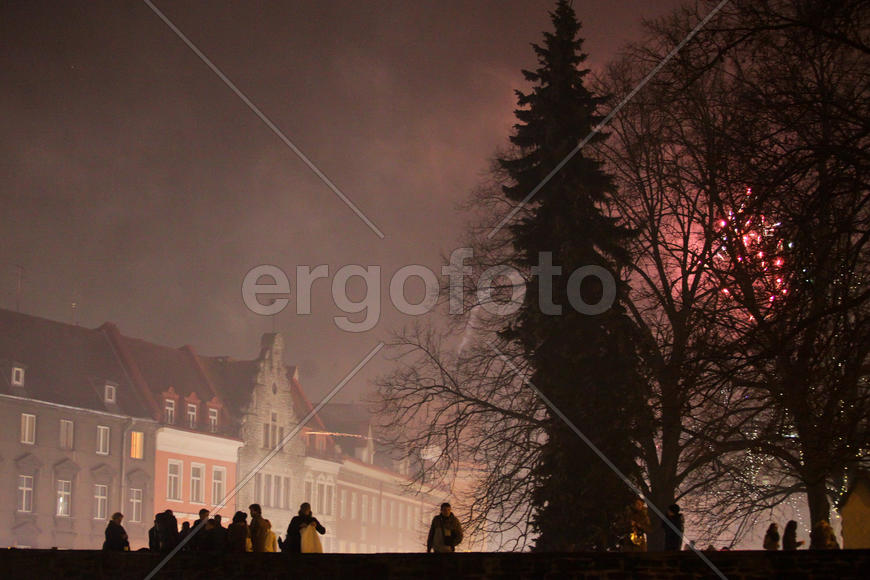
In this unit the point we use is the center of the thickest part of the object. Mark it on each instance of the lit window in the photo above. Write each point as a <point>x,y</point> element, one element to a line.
<point>137,445</point>
<point>64,497</point>
<point>218,484</point>
<point>101,501</point>
<point>135,505</point>
<point>102,440</point>
<point>213,420</point>
<point>173,480</point>
<point>66,434</point>
<point>196,473</point>
<point>191,416</point>
<point>25,493</point>
<point>17,376</point>
<point>169,411</point>
<point>109,394</point>
<point>28,428</point>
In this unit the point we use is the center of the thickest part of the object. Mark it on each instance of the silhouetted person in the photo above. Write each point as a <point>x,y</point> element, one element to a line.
<point>789,537</point>
<point>116,535</point>
<point>822,537</point>
<point>167,528</point>
<point>238,534</point>
<point>154,536</point>
<point>185,530</point>
<point>771,538</point>
<point>259,532</point>
<point>674,539</point>
<point>293,540</point>
<point>445,532</point>
<point>196,540</point>
<point>217,535</point>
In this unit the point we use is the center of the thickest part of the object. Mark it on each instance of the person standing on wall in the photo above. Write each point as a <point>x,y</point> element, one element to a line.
<point>445,533</point>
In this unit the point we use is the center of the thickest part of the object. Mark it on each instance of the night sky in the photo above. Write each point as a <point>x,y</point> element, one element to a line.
<point>137,184</point>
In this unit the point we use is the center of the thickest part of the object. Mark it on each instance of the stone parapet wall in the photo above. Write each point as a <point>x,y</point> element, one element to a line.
<point>95,565</point>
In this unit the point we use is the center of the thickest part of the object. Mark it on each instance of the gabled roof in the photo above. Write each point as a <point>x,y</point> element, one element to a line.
<point>64,364</point>
<point>233,379</point>
<point>163,367</point>
<point>862,477</point>
<point>348,423</point>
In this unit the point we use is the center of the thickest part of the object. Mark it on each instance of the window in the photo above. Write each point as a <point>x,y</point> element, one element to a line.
<point>276,492</point>
<point>64,497</point>
<point>101,501</point>
<point>137,445</point>
<point>135,505</point>
<point>287,503</point>
<point>66,434</point>
<point>17,376</point>
<point>374,510</point>
<point>218,484</point>
<point>342,508</point>
<point>169,411</point>
<point>364,514</point>
<point>258,482</point>
<point>309,489</point>
<point>173,480</point>
<point>213,420</point>
<point>28,428</point>
<point>196,474</point>
<point>321,496</point>
<point>25,493</point>
<point>353,506</point>
<point>328,501</point>
<point>109,393</point>
<point>191,416</point>
<point>267,490</point>
<point>102,440</point>
<point>271,437</point>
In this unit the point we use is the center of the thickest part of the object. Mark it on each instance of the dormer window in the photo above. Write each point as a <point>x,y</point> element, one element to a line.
<point>109,393</point>
<point>169,411</point>
<point>17,376</point>
<point>191,416</point>
<point>213,420</point>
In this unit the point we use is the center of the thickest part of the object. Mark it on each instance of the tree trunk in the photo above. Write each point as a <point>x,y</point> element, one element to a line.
<point>817,497</point>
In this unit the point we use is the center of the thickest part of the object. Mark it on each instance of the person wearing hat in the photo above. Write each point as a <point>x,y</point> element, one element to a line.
<point>673,539</point>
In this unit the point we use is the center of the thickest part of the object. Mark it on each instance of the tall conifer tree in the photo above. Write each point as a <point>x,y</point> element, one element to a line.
<point>584,363</point>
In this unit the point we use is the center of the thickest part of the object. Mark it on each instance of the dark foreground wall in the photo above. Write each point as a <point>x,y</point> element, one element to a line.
<point>94,565</point>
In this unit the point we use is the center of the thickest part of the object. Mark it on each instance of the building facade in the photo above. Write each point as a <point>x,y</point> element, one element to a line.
<point>96,422</point>
<point>74,438</point>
